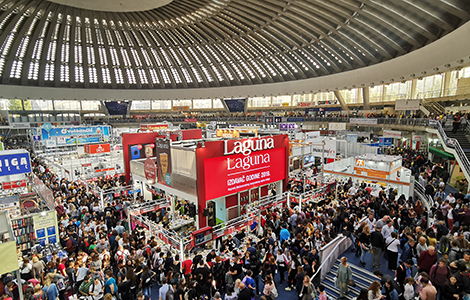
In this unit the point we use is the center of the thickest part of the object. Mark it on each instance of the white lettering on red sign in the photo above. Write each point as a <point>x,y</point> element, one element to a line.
<point>247,146</point>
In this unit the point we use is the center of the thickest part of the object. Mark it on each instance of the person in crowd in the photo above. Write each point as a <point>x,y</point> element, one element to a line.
<point>428,292</point>
<point>377,242</point>
<point>374,291</point>
<point>427,259</point>
<point>344,276</point>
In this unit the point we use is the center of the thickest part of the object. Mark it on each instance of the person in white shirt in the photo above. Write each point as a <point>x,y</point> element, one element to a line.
<point>370,221</point>
<point>352,191</point>
<point>387,230</point>
<point>393,245</point>
<point>451,198</point>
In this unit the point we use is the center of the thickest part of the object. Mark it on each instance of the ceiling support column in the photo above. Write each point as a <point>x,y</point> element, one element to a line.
<point>365,98</point>
<point>340,98</point>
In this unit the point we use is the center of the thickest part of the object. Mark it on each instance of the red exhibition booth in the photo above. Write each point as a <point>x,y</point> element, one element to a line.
<point>219,177</point>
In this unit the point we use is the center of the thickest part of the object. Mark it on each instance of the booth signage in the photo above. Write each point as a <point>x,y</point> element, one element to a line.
<point>97,148</point>
<point>385,141</point>
<point>330,149</point>
<point>248,166</point>
<point>351,138</point>
<point>150,170</point>
<point>190,120</point>
<point>245,147</point>
<point>306,104</point>
<point>17,163</point>
<point>227,133</point>
<point>13,184</point>
<point>312,136</point>
<point>152,127</point>
<point>392,134</point>
<point>417,138</point>
<point>283,127</point>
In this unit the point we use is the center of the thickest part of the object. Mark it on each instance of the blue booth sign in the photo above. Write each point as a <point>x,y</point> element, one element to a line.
<point>16,163</point>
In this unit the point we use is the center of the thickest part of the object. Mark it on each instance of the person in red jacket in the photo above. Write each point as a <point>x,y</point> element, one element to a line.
<point>427,259</point>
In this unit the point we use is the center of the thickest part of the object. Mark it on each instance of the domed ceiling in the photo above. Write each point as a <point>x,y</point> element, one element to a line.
<point>210,43</point>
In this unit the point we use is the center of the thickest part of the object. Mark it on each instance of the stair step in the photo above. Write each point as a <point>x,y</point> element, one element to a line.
<point>360,269</point>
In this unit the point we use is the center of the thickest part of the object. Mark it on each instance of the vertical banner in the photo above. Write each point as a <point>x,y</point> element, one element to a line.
<point>163,154</point>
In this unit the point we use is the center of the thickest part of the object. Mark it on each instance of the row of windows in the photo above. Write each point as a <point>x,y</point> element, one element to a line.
<point>430,86</point>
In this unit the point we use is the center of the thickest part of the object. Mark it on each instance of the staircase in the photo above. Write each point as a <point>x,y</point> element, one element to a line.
<point>361,276</point>
<point>464,142</point>
<point>454,148</point>
<point>433,107</point>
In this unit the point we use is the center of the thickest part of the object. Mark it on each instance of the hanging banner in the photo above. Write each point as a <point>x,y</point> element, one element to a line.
<point>417,138</point>
<point>407,104</point>
<point>163,154</point>
<point>337,126</point>
<point>392,134</point>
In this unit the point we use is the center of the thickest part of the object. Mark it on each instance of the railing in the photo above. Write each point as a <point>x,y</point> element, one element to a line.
<point>327,119</point>
<point>452,145</point>
<point>444,93</point>
<point>426,199</point>
<point>329,253</point>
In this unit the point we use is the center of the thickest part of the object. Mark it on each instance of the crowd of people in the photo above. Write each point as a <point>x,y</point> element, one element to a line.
<point>108,260</point>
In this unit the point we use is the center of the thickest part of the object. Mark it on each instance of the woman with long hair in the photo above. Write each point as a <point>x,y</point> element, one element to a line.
<point>374,291</point>
<point>364,239</point>
<point>269,286</point>
<point>389,291</point>
<point>294,263</point>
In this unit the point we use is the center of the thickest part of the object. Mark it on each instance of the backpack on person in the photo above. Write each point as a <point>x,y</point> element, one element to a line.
<point>170,295</point>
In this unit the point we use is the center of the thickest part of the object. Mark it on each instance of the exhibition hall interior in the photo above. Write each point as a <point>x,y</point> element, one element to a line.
<point>234,150</point>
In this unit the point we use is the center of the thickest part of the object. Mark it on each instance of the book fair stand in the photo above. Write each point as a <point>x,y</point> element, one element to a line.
<point>379,171</point>
<point>28,222</point>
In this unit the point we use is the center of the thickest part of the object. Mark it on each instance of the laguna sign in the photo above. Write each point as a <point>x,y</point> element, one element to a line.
<point>247,146</point>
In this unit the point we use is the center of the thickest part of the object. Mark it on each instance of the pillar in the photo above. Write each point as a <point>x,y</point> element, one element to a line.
<point>340,98</point>
<point>365,98</point>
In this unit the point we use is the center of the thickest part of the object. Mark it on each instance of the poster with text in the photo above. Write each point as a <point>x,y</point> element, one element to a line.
<point>163,154</point>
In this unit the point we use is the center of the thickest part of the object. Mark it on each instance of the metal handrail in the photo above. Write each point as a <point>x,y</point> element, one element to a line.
<point>421,193</point>
<point>443,93</point>
<point>453,144</point>
<point>342,239</point>
<point>330,244</point>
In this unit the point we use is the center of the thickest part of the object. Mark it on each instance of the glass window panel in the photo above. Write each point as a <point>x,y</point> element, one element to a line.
<point>351,96</point>
<point>259,102</point>
<point>182,103</point>
<point>161,104</point>
<point>141,105</point>
<point>278,100</point>
<point>325,96</point>
<point>376,93</point>
<point>398,90</point>
<point>202,103</point>
<point>67,105</point>
<point>4,104</point>
<point>41,105</point>
<point>91,105</point>
<point>218,103</point>
<point>302,98</point>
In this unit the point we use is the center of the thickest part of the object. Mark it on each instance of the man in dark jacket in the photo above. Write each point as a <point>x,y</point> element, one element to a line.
<point>408,250</point>
<point>377,241</point>
<point>245,293</point>
<point>403,271</point>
